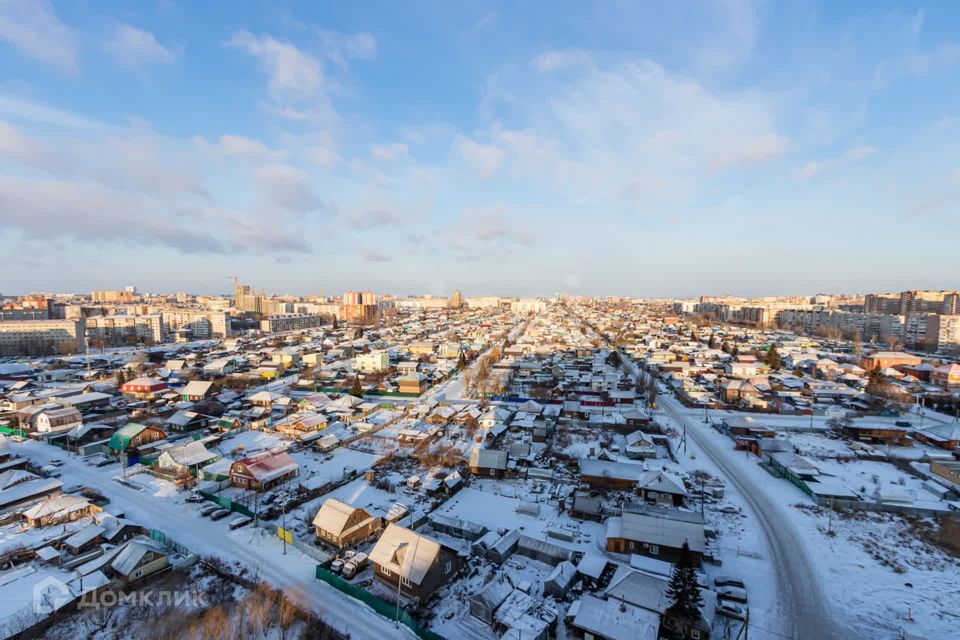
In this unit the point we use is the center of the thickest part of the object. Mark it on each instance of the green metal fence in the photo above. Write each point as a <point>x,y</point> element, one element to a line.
<point>227,503</point>
<point>382,607</point>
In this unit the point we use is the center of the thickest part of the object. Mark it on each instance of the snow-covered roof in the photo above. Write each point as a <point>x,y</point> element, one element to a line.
<point>405,552</point>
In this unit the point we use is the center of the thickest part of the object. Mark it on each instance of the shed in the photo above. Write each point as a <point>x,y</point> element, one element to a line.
<point>560,579</point>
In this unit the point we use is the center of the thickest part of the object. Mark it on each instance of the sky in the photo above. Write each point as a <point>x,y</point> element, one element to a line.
<point>512,148</point>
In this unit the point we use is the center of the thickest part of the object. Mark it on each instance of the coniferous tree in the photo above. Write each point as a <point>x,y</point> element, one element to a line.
<point>356,390</point>
<point>461,362</point>
<point>684,591</point>
<point>712,343</point>
<point>772,359</point>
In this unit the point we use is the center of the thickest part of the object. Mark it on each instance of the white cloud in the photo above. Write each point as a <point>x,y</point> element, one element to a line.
<point>562,59</point>
<point>287,187</point>
<point>389,151</point>
<point>288,68</point>
<point>42,114</point>
<point>340,47</point>
<point>815,168</point>
<point>753,151</point>
<point>33,28</point>
<point>132,47</point>
<point>374,255</point>
<point>935,60</point>
<point>242,147</point>
<point>379,217</point>
<point>17,147</point>
<point>485,159</point>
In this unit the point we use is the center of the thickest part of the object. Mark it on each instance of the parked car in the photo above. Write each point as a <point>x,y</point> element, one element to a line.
<point>219,514</point>
<point>206,511</point>
<point>337,565</point>
<point>74,488</point>
<point>194,498</point>
<point>731,609</point>
<point>57,462</point>
<point>737,594</point>
<point>354,565</point>
<point>728,581</point>
<point>242,521</point>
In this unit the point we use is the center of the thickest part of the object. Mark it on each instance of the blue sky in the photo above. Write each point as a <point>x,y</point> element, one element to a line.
<point>604,148</point>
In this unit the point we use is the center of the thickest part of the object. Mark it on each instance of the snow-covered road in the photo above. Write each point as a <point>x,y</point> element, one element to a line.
<point>806,611</point>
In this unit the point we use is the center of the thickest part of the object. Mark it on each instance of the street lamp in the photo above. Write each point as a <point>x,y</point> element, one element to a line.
<point>399,578</point>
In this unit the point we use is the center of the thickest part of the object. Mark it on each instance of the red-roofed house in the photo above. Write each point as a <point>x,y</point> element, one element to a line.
<point>144,388</point>
<point>263,470</point>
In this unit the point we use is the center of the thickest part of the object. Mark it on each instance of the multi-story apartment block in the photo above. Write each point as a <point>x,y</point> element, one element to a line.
<point>41,337</point>
<point>118,330</point>
<point>943,333</point>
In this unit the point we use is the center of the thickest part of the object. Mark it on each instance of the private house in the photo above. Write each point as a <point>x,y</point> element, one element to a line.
<point>639,446</point>
<point>302,424</point>
<point>58,420</point>
<point>658,534</point>
<point>605,474</point>
<point>656,487</point>
<point>415,383</point>
<point>735,391</point>
<point>418,565</point>
<point>372,362</point>
<point>743,370</point>
<point>29,491</point>
<point>488,462</point>
<point>341,525</point>
<point>183,421</point>
<point>946,376</point>
<point>132,436</point>
<point>144,388</point>
<point>185,458</point>
<point>877,434</point>
<point>885,359</point>
<point>263,470</point>
<point>596,619</point>
<point>949,471</point>
<point>58,509</point>
<point>138,559</point>
<point>945,436</point>
<point>196,390</point>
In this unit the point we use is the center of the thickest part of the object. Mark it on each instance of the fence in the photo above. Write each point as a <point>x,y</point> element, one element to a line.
<point>227,503</point>
<point>382,607</point>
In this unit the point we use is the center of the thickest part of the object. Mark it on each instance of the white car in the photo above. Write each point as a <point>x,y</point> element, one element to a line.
<point>737,594</point>
<point>731,609</point>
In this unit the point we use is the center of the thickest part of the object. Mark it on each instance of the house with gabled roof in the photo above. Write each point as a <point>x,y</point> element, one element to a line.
<point>264,470</point>
<point>342,525</point>
<point>419,566</point>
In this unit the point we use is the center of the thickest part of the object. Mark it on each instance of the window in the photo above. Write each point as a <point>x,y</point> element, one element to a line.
<point>405,582</point>
<point>385,571</point>
<point>654,550</point>
<point>448,566</point>
<point>695,634</point>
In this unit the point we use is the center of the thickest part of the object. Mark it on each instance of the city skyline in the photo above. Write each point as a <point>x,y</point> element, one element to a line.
<point>742,148</point>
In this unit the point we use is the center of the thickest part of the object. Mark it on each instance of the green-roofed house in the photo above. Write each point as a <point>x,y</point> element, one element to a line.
<point>128,438</point>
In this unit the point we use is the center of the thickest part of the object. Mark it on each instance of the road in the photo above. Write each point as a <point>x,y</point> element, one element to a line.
<point>807,613</point>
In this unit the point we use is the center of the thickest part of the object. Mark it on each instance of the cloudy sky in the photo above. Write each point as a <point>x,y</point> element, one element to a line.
<point>609,148</point>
